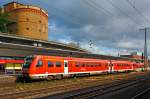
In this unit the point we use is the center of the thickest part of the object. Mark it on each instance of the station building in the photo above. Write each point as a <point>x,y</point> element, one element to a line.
<point>134,55</point>
<point>29,21</point>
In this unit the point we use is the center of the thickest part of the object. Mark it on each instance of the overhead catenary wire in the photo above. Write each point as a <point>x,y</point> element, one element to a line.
<point>138,11</point>
<point>77,19</point>
<point>99,9</point>
<point>121,11</point>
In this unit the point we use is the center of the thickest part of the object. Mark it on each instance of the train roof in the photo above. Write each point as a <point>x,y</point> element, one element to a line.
<point>83,59</point>
<point>120,61</point>
<point>71,58</point>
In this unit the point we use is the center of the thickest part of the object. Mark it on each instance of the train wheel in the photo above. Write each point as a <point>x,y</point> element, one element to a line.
<point>50,77</point>
<point>75,76</point>
<point>19,79</point>
<point>59,76</point>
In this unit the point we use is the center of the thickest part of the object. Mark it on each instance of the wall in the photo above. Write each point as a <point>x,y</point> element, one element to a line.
<point>31,21</point>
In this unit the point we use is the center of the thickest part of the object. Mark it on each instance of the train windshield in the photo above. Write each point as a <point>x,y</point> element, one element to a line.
<point>28,61</point>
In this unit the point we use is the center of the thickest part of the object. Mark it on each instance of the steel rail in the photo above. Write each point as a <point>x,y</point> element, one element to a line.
<point>30,93</point>
<point>140,94</point>
<point>101,90</point>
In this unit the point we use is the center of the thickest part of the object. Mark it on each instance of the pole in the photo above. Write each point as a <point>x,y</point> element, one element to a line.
<point>145,49</point>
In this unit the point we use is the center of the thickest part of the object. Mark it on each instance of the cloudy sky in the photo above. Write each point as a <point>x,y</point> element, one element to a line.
<point>108,26</point>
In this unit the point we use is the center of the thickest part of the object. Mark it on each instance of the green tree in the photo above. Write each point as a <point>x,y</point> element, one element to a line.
<point>4,21</point>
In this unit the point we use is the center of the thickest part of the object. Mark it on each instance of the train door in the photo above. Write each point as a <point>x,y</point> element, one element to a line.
<point>65,67</point>
<point>111,67</point>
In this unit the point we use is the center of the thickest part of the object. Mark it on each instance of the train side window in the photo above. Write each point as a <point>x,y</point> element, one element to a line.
<point>95,65</point>
<point>58,64</point>
<point>50,64</point>
<point>39,64</point>
<point>83,65</point>
<point>92,65</point>
<point>66,64</point>
<point>77,64</point>
<point>87,65</point>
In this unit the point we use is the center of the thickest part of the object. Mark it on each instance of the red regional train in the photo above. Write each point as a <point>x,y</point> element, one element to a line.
<point>52,67</point>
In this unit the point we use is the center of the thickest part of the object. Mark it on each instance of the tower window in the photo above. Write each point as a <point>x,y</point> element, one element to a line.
<point>27,28</point>
<point>40,21</point>
<point>27,19</point>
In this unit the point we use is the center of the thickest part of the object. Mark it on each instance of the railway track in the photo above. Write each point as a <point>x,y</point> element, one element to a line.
<point>139,95</point>
<point>19,93</point>
<point>93,92</point>
<point>49,90</point>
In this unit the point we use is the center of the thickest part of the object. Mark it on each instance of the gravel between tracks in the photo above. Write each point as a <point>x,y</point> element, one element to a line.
<point>44,88</point>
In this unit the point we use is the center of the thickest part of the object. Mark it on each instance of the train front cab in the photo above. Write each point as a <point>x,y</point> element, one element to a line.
<point>41,67</point>
<point>26,68</point>
<point>33,67</point>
